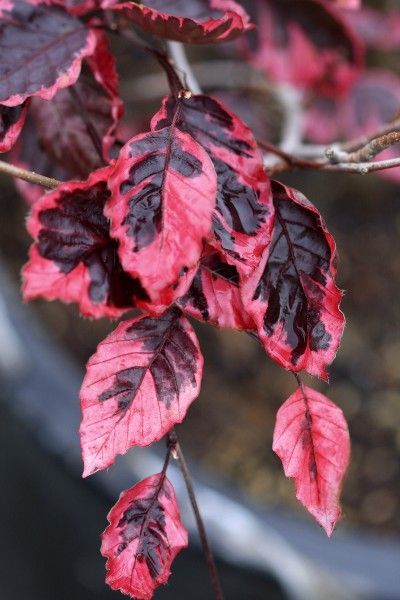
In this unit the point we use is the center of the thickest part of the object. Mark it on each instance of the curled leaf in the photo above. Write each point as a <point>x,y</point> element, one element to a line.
<point>73,258</point>
<point>190,21</point>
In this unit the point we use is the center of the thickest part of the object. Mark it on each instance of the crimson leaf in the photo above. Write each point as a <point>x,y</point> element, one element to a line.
<point>12,120</point>
<point>49,45</point>
<point>140,382</point>
<point>163,194</point>
<point>312,440</point>
<point>143,538</point>
<point>190,21</point>
<point>73,258</point>
<point>243,196</point>
<point>290,31</point>
<point>214,296</point>
<point>61,126</point>
<point>292,294</point>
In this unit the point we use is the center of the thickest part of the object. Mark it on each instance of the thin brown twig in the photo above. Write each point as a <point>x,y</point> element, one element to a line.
<point>29,176</point>
<point>212,568</point>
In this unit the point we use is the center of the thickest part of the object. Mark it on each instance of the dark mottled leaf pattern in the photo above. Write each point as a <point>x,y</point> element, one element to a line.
<point>144,536</point>
<point>50,45</point>
<point>292,295</point>
<point>214,296</point>
<point>243,199</point>
<point>312,440</point>
<point>73,258</point>
<point>163,195</point>
<point>12,119</point>
<point>308,43</point>
<point>190,21</point>
<point>140,382</point>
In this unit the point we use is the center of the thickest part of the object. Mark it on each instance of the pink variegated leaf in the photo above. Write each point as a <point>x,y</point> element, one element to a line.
<point>292,295</point>
<point>50,45</point>
<point>73,258</point>
<point>243,197</point>
<point>214,296</point>
<point>312,440</point>
<point>139,384</point>
<point>190,21</point>
<point>144,536</point>
<point>163,195</point>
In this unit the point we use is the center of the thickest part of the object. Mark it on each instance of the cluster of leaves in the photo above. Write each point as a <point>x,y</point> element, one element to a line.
<point>182,221</point>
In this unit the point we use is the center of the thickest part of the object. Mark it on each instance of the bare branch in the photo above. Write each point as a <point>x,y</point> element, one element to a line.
<point>181,63</point>
<point>29,176</point>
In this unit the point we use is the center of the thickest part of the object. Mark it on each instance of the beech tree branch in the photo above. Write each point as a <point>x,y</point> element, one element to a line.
<point>179,60</point>
<point>29,176</point>
<point>212,568</point>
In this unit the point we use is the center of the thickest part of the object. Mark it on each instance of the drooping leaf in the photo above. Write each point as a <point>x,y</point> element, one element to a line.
<point>62,127</point>
<point>163,195</point>
<point>73,258</point>
<point>144,536</point>
<point>11,122</point>
<point>243,197</point>
<point>140,382</point>
<point>41,48</point>
<point>307,43</point>
<point>312,440</point>
<point>190,21</point>
<point>214,296</point>
<point>292,294</point>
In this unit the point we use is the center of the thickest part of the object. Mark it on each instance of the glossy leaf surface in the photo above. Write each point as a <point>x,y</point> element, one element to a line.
<point>312,440</point>
<point>61,123</point>
<point>190,21</point>
<point>12,119</point>
<point>73,258</point>
<point>140,382</point>
<point>307,43</point>
<point>50,45</point>
<point>163,195</point>
<point>292,294</point>
<point>243,197</point>
<point>143,538</point>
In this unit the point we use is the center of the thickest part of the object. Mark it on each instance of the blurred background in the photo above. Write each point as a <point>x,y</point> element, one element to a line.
<point>51,520</point>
